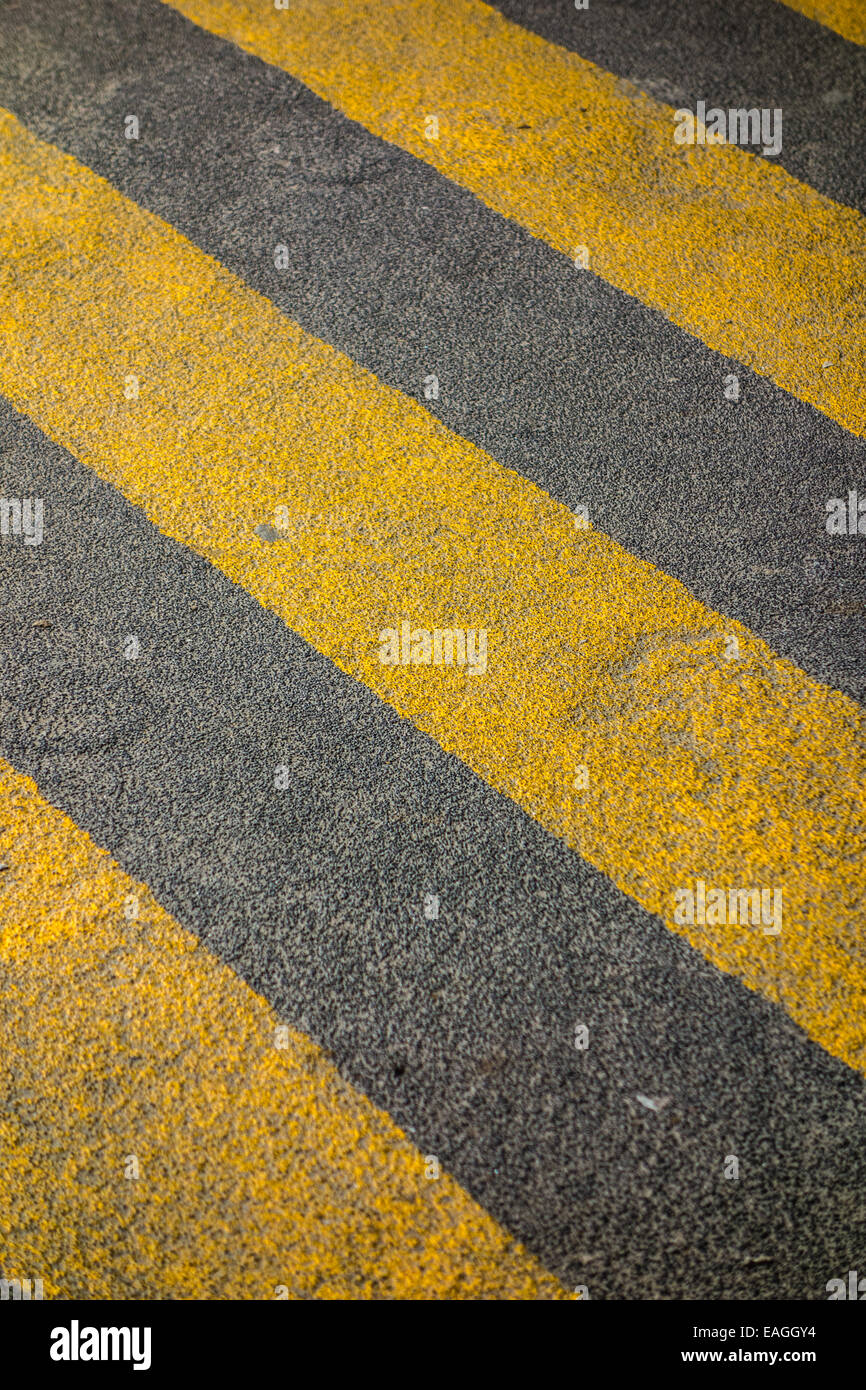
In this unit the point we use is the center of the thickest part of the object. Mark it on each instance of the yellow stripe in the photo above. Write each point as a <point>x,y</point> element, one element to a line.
<point>847,17</point>
<point>727,245</point>
<point>258,1166</point>
<point>737,772</point>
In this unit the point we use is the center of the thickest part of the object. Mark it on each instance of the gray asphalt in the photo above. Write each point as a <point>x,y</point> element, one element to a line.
<point>463,1028</point>
<point>561,377</point>
<point>742,53</point>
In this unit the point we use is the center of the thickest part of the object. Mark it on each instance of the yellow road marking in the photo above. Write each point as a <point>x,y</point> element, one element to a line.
<point>725,244</point>
<point>737,772</point>
<point>847,17</point>
<point>261,1173</point>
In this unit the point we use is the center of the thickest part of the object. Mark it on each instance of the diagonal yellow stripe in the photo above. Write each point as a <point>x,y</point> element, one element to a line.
<point>259,1168</point>
<point>847,17</point>
<point>727,245</point>
<point>736,771</point>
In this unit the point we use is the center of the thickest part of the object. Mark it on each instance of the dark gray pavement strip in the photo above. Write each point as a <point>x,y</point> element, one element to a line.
<point>462,1027</point>
<point>560,377</point>
<point>743,53</point>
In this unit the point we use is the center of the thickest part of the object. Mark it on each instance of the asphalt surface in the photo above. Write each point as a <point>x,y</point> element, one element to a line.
<point>460,1029</point>
<point>576,386</point>
<point>747,54</point>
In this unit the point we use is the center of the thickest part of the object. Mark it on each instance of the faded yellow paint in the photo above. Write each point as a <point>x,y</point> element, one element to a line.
<point>726,244</point>
<point>847,17</point>
<point>738,772</point>
<point>258,1165</point>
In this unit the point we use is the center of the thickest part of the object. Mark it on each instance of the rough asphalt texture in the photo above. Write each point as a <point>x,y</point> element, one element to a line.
<point>561,377</point>
<point>463,1029</point>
